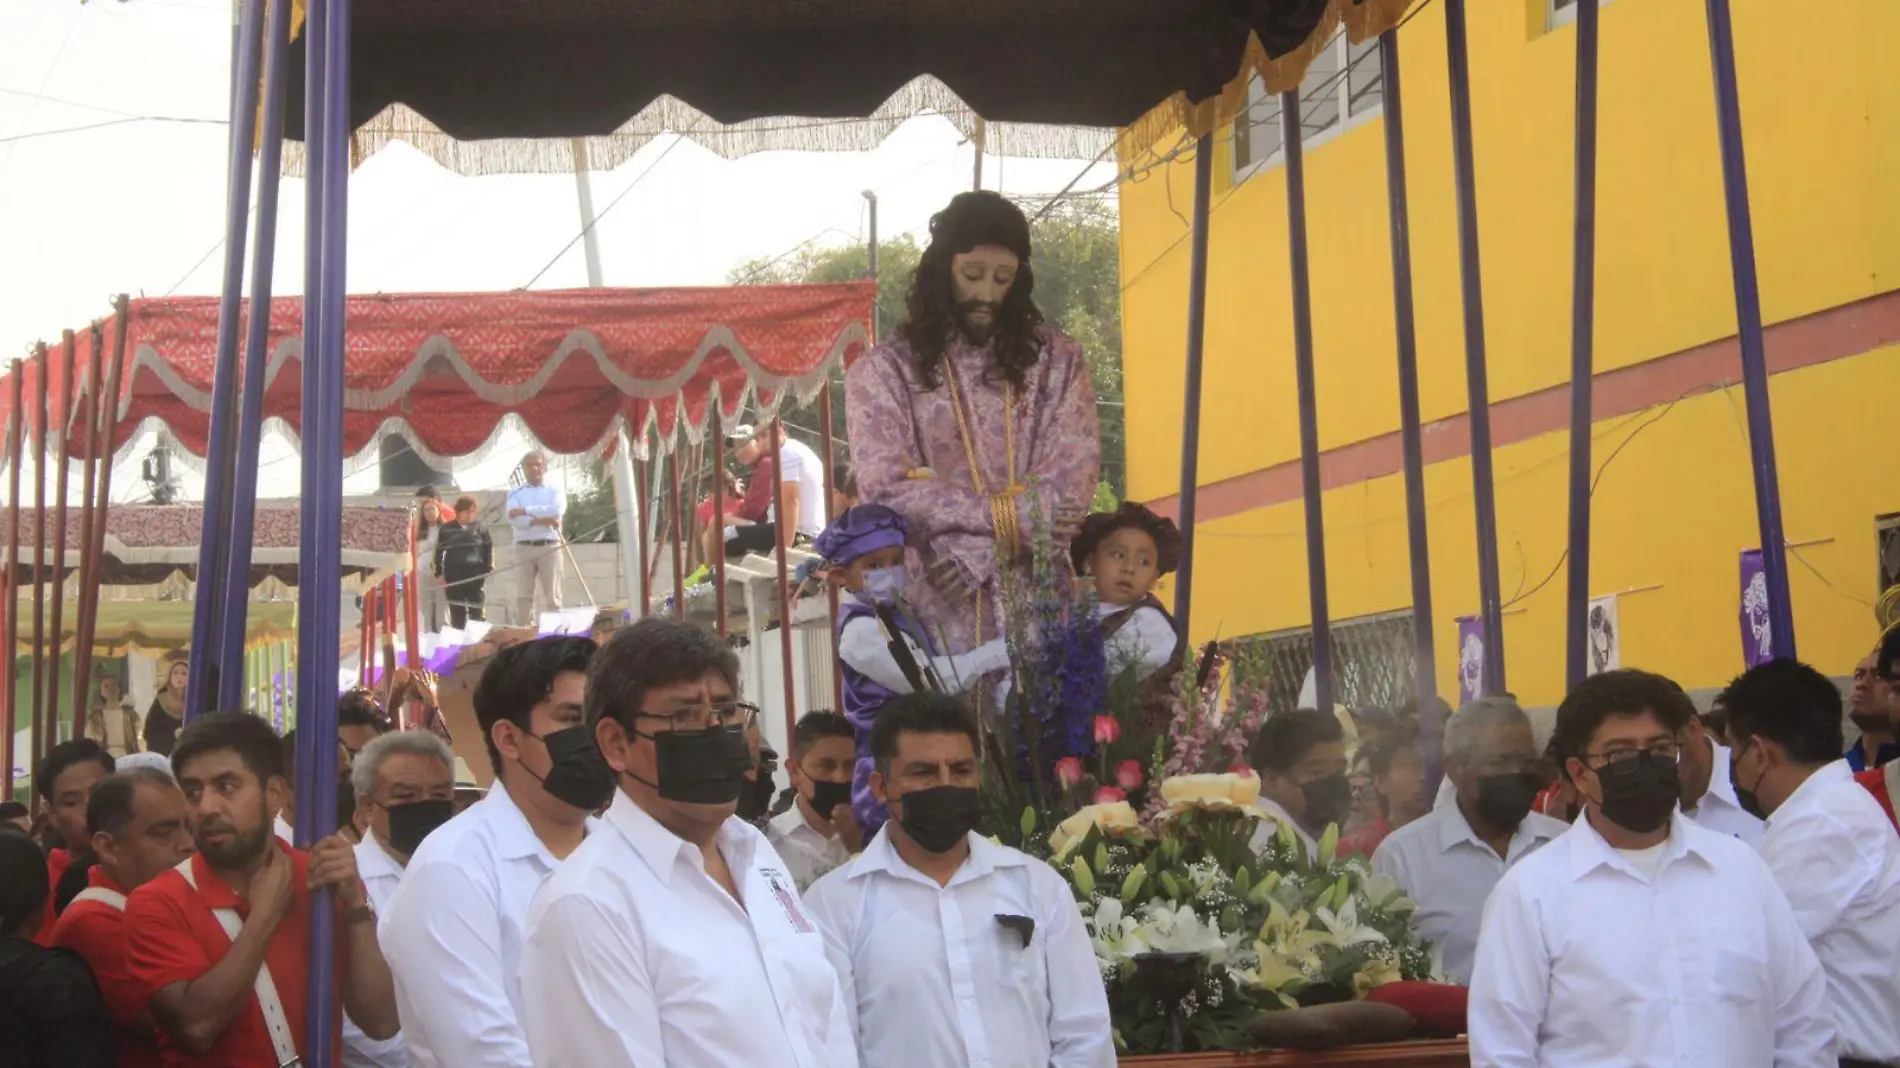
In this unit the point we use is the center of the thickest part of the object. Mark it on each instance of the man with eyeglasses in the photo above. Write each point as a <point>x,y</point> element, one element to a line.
<point>1448,861</point>
<point>1827,843</point>
<point>1640,937</point>
<point>675,936</point>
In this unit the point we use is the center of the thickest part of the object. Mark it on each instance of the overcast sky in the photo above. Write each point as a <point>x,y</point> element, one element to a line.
<point>137,206</point>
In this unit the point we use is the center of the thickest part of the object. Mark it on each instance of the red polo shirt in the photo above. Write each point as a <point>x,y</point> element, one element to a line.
<point>174,938</point>
<point>96,931</point>
<point>57,861</point>
<point>1875,781</point>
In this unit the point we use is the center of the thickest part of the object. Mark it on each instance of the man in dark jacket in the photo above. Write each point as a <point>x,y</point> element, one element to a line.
<point>464,556</point>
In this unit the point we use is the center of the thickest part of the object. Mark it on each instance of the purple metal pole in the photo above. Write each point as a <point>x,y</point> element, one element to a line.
<point>207,623</point>
<point>1308,388</point>
<point>1583,305</point>
<point>1478,390</point>
<point>1425,667</point>
<point>1191,403</point>
<point>242,495</point>
<point>1741,250</point>
<point>326,127</point>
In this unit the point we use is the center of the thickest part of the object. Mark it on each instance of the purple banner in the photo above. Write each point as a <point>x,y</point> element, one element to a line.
<point>1470,659</point>
<point>1758,639</point>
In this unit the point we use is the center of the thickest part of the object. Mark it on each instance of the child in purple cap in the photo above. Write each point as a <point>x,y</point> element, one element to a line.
<point>864,550</point>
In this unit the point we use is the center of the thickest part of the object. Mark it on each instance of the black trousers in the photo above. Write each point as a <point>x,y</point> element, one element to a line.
<point>466,602</point>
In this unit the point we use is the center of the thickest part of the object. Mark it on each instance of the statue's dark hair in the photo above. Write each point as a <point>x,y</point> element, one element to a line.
<point>971,221</point>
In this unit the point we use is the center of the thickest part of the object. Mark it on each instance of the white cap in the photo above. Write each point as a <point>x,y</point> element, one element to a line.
<point>742,433</point>
<point>155,761</point>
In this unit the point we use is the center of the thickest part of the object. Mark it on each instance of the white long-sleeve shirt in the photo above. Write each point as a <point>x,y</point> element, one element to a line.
<point>539,502</point>
<point>1583,960</point>
<point>1147,640</point>
<point>934,979</point>
<point>636,957</point>
<point>381,873</point>
<point>1835,856</point>
<point>1449,871</point>
<point>453,936</point>
<point>1720,810</point>
<point>862,647</point>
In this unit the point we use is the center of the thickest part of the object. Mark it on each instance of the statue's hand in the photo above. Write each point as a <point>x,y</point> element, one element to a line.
<point>948,579</point>
<point>1068,520</point>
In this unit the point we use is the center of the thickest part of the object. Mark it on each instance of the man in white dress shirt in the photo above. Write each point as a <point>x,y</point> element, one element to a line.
<point>456,927</point>
<point>534,514</point>
<point>1708,793</point>
<point>1449,861</point>
<point>1829,845</point>
<point>405,788</point>
<point>819,832</point>
<point>953,951</point>
<point>1300,757</point>
<point>1639,937</point>
<point>674,936</point>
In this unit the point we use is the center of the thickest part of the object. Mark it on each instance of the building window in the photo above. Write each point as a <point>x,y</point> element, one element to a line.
<point>1342,88</point>
<point>1562,12</point>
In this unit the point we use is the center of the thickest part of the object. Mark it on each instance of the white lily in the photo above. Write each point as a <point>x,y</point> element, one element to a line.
<point>1343,927</point>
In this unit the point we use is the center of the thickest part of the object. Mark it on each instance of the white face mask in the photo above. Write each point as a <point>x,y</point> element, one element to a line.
<point>884,585</point>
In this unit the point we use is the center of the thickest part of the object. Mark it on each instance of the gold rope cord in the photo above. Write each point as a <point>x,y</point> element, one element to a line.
<point>1000,504</point>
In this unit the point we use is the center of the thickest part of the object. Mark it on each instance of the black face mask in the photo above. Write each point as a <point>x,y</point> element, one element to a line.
<point>1750,803</point>
<point>1504,800</point>
<point>1639,794</point>
<point>701,767</point>
<point>826,796</point>
<point>577,774</point>
<point>1328,800</point>
<point>411,822</point>
<point>940,817</point>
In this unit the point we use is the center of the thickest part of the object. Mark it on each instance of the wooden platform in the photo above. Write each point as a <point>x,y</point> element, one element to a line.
<point>1451,1053</point>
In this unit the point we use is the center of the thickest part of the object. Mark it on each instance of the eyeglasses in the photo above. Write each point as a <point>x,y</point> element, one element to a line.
<point>706,717</point>
<point>1667,752</point>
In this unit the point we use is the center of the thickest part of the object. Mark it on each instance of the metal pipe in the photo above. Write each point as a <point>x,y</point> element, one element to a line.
<point>1741,248</point>
<point>1308,389</point>
<point>41,722</point>
<point>109,430</point>
<point>718,561</point>
<point>88,578</point>
<point>1477,386</point>
<point>61,483</point>
<point>1583,298</point>
<point>16,431</point>
<point>234,591</point>
<point>679,528</point>
<point>1191,414</point>
<point>207,619</point>
<point>1424,666</point>
<point>783,536</point>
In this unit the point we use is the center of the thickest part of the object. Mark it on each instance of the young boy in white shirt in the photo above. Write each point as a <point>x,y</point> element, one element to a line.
<point>1124,553</point>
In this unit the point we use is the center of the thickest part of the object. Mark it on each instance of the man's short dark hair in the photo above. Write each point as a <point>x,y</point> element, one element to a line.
<point>814,727</point>
<point>1625,692</point>
<point>651,654</point>
<point>358,708</point>
<point>250,737</point>
<point>919,713</point>
<point>13,810</point>
<point>1286,737</point>
<point>1790,704</point>
<point>23,882</point>
<point>67,755</point>
<point>522,676</point>
<point>109,810</point>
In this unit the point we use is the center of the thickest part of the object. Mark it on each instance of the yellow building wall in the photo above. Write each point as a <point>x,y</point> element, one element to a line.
<point>1822,125</point>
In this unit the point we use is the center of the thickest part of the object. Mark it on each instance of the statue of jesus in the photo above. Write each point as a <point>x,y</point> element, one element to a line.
<point>971,407</point>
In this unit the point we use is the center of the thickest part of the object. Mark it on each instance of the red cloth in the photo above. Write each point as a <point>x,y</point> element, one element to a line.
<point>1365,841</point>
<point>757,502</point>
<point>174,938</point>
<point>96,931</point>
<point>1875,780</point>
<point>57,862</point>
<point>1439,1008</point>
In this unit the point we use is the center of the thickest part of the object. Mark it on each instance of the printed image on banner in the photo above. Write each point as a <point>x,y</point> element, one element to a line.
<point>1470,658</point>
<point>1606,636</point>
<point>1758,640</point>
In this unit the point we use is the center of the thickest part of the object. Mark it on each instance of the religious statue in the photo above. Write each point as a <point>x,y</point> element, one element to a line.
<point>976,419</point>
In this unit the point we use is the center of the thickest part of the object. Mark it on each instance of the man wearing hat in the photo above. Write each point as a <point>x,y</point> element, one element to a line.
<point>750,510</point>
<point>971,404</point>
<point>864,549</point>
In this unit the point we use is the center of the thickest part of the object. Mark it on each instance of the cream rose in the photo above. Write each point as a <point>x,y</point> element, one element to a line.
<point>1116,817</point>
<point>1226,790</point>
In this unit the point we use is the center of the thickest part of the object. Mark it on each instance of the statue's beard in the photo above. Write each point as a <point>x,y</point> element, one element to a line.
<point>974,331</point>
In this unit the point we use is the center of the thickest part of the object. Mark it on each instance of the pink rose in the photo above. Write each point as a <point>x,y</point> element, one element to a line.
<point>1128,774</point>
<point>1108,730</point>
<point>1108,795</point>
<point>1069,771</point>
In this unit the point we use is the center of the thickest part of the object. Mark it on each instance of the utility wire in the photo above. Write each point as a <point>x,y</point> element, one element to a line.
<point>602,214</point>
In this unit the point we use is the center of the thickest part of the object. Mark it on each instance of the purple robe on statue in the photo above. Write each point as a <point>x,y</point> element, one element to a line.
<point>897,428</point>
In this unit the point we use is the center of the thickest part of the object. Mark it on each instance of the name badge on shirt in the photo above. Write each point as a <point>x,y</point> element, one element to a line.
<point>781,885</point>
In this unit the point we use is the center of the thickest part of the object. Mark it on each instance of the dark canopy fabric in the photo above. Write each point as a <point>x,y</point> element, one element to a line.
<point>569,68</point>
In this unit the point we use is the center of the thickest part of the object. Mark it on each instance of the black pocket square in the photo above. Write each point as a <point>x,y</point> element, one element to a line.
<point>1022,925</point>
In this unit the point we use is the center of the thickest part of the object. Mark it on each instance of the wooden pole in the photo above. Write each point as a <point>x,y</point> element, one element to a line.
<point>783,535</point>
<point>831,487</point>
<point>718,561</point>
<point>109,430</point>
<point>61,476</point>
<point>679,559</point>
<point>40,720</point>
<point>89,513</point>
<point>16,426</point>
<point>646,565</point>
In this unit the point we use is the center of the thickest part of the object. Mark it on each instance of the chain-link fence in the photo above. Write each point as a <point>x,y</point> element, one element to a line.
<point>1374,662</point>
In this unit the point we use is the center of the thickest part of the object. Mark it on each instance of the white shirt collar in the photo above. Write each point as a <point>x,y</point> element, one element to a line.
<point>1590,851</point>
<point>375,861</point>
<point>661,849</point>
<point>985,857</point>
<point>1720,788</point>
<point>514,835</point>
<point>792,821</point>
<point>1454,828</point>
<point>1813,791</point>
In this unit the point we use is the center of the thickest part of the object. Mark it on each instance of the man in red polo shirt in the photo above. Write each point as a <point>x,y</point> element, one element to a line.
<point>65,782</point>
<point>219,944</point>
<point>139,832</point>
